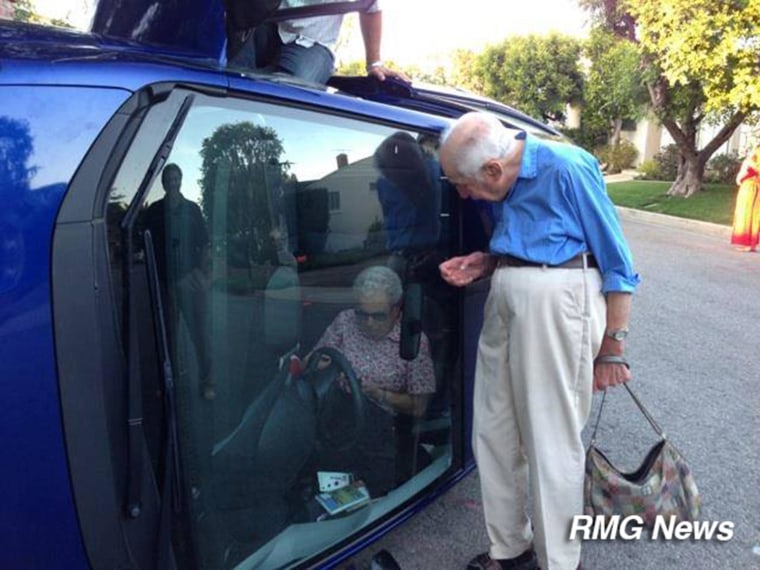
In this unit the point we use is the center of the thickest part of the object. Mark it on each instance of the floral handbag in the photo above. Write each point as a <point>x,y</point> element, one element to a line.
<point>663,484</point>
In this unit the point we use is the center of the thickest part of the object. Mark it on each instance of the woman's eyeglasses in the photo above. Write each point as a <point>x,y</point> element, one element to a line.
<point>377,316</point>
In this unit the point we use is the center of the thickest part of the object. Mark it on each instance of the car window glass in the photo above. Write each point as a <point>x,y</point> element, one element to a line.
<point>285,240</point>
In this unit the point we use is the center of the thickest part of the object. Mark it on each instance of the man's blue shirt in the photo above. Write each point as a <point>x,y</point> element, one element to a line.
<point>557,209</point>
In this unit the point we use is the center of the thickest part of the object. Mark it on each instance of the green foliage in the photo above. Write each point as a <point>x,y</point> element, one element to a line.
<point>649,170</point>
<point>711,43</point>
<point>241,173</point>
<point>539,75</point>
<point>464,65</point>
<point>614,90</point>
<point>588,137</point>
<point>701,60</point>
<point>723,168</point>
<point>667,161</point>
<point>352,68</point>
<point>357,67</point>
<point>23,11</point>
<point>617,157</point>
<point>663,166</point>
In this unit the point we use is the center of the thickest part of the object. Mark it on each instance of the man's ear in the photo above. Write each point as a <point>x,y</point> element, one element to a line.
<point>493,169</point>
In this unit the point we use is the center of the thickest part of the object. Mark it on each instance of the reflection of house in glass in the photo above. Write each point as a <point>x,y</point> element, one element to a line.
<point>336,212</point>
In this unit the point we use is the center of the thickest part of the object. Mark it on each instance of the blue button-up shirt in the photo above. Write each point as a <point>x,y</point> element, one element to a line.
<point>557,209</point>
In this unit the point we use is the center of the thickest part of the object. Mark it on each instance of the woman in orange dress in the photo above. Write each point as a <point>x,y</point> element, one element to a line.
<point>746,229</point>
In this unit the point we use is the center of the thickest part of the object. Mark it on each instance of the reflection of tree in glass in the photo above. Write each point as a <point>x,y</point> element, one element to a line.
<point>15,150</point>
<point>241,182</point>
<point>16,147</point>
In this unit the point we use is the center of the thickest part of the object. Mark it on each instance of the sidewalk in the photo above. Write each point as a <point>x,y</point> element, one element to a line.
<point>621,176</point>
<point>675,222</point>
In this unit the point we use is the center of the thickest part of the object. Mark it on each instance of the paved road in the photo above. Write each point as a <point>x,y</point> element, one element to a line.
<point>694,341</point>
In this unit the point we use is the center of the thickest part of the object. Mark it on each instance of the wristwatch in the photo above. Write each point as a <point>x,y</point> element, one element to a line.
<point>617,334</point>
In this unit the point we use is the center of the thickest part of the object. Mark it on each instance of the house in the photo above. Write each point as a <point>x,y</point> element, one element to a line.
<point>6,9</point>
<point>649,137</point>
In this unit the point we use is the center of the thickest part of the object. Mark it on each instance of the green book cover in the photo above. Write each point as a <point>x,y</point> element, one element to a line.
<point>344,499</point>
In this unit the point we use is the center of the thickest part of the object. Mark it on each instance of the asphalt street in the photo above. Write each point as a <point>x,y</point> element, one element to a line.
<point>695,331</point>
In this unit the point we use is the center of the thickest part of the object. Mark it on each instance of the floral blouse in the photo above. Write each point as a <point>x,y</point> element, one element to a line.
<point>377,362</point>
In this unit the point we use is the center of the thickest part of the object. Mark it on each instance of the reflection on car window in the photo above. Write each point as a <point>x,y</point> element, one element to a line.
<point>286,254</point>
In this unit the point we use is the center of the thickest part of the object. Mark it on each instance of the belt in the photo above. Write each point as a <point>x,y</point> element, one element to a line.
<point>574,263</point>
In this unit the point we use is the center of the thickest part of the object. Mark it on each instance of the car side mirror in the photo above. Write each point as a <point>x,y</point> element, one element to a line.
<point>411,321</point>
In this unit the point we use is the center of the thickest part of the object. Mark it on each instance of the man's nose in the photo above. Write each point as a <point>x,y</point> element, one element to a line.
<point>463,191</point>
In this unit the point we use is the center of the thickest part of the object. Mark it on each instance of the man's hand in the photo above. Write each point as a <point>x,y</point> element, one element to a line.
<point>607,375</point>
<point>381,72</point>
<point>463,270</point>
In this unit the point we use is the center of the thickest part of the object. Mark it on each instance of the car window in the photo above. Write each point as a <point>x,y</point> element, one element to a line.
<point>288,245</point>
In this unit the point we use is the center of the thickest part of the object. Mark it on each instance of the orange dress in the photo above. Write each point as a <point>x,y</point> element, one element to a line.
<point>746,228</point>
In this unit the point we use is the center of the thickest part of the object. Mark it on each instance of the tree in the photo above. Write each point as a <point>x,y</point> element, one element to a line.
<point>701,60</point>
<point>242,169</point>
<point>464,74</point>
<point>614,91</point>
<point>23,11</point>
<point>539,75</point>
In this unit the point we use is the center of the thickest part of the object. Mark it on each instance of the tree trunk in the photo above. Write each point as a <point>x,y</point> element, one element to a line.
<point>688,181</point>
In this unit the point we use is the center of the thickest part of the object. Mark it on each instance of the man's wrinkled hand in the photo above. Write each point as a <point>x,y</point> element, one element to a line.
<point>608,375</point>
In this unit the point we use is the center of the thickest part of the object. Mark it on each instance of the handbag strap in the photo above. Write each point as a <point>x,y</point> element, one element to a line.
<point>641,407</point>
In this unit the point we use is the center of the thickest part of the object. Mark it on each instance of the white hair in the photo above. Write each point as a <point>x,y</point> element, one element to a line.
<point>378,279</point>
<point>488,139</point>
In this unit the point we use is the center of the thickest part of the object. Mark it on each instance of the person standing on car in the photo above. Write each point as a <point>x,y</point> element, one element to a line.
<point>304,47</point>
<point>553,330</point>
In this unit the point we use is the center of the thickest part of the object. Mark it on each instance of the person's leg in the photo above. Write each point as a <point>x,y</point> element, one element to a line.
<point>193,303</point>
<point>556,328</point>
<point>496,438</point>
<point>259,49</point>
<point>315,63</point>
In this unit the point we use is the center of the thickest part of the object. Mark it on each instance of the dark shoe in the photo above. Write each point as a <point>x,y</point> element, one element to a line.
<point>526,561</point>
<point>383,560</point>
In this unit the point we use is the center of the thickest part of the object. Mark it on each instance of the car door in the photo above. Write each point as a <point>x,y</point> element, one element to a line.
<point>237,225</point>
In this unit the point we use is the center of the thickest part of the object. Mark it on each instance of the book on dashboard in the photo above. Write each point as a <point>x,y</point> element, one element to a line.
<point>344,499</point>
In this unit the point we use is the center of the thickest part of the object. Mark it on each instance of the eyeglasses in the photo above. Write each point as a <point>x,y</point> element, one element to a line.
<point>378,316</point>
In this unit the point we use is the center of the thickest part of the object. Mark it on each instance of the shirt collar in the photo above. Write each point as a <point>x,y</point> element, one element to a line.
<point>529,161</point>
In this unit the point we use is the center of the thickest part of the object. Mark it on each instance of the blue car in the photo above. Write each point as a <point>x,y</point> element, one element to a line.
<point>180,243</point>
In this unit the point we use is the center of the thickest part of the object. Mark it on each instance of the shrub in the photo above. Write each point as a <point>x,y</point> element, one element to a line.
<point>586,138</point>
<point>667,160</point>
<point>618,157</point>
<point>723,168</point>
<point>649,170</point>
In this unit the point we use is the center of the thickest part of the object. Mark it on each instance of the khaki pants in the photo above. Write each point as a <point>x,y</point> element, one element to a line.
<point>533,389</point>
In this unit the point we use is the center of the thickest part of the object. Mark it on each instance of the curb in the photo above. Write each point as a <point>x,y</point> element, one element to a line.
<point>674,221</point>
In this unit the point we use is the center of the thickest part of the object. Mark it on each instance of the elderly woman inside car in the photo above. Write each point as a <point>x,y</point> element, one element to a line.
<point>396,390</point>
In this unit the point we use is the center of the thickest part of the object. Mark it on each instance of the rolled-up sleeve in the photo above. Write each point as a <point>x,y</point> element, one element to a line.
<point>601,227</point>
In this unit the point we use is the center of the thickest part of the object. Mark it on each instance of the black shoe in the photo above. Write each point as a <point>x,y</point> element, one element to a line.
<point>384,561</point>
<point>525,561</point>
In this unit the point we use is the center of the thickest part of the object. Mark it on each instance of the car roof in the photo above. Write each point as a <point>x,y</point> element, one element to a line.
<point>440,100</point>
<point>58,54</point>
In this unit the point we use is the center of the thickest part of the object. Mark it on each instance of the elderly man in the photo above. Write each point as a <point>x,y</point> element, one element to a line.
<point>554,328</point>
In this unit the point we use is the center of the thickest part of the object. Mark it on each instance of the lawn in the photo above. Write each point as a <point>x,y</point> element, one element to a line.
<point>714,204</point>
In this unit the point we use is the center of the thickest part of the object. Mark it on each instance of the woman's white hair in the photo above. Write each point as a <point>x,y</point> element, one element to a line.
<point>488,139</point>
<point>378,279</point>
